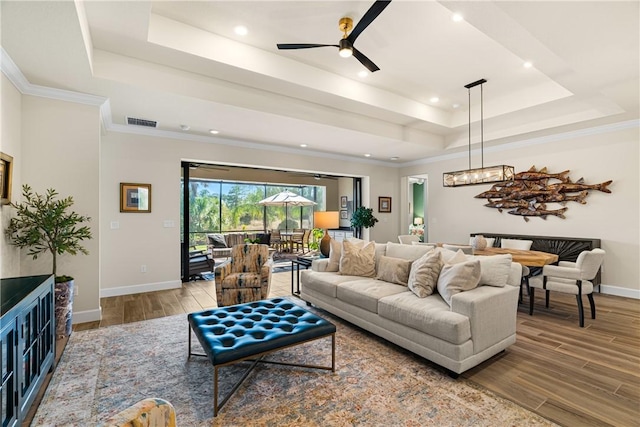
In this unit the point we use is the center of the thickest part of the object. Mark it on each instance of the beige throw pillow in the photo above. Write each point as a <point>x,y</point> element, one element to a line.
<point>424,274</point>
<point>458,278</point>
<point>394,270</point>
<point>495,269</point>
<point>356,261</point>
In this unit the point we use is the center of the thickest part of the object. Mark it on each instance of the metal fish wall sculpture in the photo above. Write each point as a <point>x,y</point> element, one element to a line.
<point>530,191</point>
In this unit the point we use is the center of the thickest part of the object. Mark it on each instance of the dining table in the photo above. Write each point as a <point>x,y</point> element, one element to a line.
<point>525,257</point>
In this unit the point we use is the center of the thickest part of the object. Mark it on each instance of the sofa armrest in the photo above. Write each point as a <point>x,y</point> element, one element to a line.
<point>320,264</point>
<point>491,311</point>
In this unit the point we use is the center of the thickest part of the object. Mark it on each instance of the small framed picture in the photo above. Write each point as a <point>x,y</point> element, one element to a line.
<point>343,201</point>
<point>384,204</point>
<point>135,197</point>
<point>344,214</point>
<point>6,164</point>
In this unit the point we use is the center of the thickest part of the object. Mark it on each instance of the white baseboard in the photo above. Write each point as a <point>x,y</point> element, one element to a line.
<point>136,289</point>
<point>87,316</point>
<point>620,292</point>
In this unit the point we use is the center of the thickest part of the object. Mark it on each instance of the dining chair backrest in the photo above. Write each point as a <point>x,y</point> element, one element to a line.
<point>275,236</point>
<point>466,249</point>
<point>407,239</point>
<point>589,263</point>
<point>516,244</point>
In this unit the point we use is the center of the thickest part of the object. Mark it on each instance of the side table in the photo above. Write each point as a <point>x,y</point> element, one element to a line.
<point>304,261</point>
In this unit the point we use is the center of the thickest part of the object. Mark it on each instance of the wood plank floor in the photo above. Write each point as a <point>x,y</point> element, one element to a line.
<point>573,376</point>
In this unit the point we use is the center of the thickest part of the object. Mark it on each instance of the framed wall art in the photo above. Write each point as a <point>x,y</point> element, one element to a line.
<point>344,214</point>
<point>135,197</point>
<point>384,204</point>
<point>343,201</point>
<point>6,166</point>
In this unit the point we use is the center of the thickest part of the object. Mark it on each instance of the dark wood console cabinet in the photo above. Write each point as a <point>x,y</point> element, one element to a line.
<point>27,342</point>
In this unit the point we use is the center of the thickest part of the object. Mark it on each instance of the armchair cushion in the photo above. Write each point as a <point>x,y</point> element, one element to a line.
<point>217,240</point>
<point>246,277</point>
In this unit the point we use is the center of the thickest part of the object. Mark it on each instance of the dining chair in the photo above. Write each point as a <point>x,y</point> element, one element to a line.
<point>297,238</point>
<point>407,239</point>
<point>570,278</point>
<point>466,249</point>
<point>516,244</point>
<point>276,240</point>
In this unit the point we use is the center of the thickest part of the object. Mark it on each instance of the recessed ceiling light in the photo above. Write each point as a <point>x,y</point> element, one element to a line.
<point>185,127</point>
<point>367,155</point>
<point>394,158</point>
<point>456,17</point>
<point>527,64</point>
<point>303,145</point>
<point>363,74</point>
<point>214,132</point>
<point>241,30</point>
<point>456,106</point>
<point>434,99</point>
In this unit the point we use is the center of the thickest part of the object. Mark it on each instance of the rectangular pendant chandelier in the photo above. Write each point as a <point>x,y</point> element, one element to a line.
<point>488,175</point>
<point>481,175</point>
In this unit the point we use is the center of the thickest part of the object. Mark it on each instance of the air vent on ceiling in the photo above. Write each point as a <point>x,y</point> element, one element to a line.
<point>142,122</point>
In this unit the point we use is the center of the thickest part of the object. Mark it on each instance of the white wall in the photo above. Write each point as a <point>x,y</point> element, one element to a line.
<point>10,137</point>
<point>141,239</point>
<point>60,149</point>
<point>614,218</point>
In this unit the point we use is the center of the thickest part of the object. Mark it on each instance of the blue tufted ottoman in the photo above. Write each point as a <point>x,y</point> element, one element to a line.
<point>252,330</point>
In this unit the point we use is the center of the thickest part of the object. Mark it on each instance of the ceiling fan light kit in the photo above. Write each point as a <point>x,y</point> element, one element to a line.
<point>345,45</point>
<point>481,175</point>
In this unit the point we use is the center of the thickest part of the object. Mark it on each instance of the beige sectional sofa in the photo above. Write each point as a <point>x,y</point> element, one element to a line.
<point>477,324</point>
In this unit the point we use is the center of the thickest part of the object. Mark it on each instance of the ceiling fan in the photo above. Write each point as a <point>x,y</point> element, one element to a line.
<point>345,46</point>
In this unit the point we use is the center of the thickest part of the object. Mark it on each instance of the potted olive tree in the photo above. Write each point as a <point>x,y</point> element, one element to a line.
<point>362,217</point>
<point>44,223</point>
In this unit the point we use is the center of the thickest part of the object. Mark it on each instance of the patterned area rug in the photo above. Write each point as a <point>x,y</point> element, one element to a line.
<point>104,371</point>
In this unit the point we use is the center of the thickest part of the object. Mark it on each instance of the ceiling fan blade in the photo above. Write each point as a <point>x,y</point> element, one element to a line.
<point>302,45</point>
<point>368,18</point>
<point>365,61</point>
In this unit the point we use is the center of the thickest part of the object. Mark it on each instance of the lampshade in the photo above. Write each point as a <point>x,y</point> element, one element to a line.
<point>326,220</point>
<point>417,220</point>
<point>481,175</point>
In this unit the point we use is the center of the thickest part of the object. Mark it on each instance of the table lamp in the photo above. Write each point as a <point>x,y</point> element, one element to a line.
<point>326,220</point>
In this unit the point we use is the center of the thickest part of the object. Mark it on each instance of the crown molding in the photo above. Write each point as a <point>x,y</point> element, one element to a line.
<point>595,130</point>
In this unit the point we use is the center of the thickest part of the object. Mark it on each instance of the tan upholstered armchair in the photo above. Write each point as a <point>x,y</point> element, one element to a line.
<point>246,277</point>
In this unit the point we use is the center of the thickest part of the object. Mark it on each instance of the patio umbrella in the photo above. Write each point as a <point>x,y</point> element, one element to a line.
<point>286,199</point>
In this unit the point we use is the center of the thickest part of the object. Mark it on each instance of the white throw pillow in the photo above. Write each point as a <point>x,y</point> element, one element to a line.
<point>494,269</point>
<point>458,278</point>
<point>423,277</point>
<point>394,270</point>
<point>356,261</point>
<point>335,252</point>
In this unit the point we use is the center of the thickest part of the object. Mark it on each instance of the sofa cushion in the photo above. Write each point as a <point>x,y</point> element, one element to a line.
<point>430,315</point>
<point>365,293</point>
<point>358,261</point>
<point>456,278</point>
<point>323,282</point>
<point>423,278</point>
<point>452,257</point>
<point>409,252</point>
<point>494,270</point>
<point>335,252</point>
<point>393,270</point>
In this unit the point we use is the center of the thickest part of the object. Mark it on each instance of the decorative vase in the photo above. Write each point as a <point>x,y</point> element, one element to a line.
<point>64,308</point>
<point>479,242</point>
